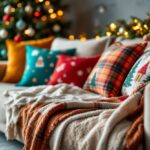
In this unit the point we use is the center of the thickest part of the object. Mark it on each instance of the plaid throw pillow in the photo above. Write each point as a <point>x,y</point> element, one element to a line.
<point>112,68</point>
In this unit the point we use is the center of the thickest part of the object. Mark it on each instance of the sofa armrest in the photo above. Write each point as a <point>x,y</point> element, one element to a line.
<point>147,117</point>
<point>3,66</point>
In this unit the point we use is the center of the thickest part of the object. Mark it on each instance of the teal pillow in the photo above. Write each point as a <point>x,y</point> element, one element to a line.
<point>40,64</point>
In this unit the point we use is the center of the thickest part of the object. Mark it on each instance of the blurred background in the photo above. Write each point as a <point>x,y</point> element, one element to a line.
<point>89,15</point>
<point>73,19</point>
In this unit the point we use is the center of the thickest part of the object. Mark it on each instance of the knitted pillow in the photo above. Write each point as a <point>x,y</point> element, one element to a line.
<point>112,68</point>
<point>72,70</point>
<point>16,57</point>
<point>139,74</point>
<point>40,64</point>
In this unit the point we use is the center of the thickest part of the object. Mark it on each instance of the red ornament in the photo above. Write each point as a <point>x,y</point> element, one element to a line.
<point>37,13</point>
<point>6,18</point>
<point>18,38</point>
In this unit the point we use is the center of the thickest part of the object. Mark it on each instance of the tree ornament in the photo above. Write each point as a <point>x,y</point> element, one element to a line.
<point>3,53</point>
<point>6,18</point>
<point>37,13</point>
<point>18,38</point>
<point>20,24</point>
<point>28,9</point>
<point>7,9</point>
<point>121,30</point>
<point>56,28</point>
<point>30,32</point>
<point>3,33</point>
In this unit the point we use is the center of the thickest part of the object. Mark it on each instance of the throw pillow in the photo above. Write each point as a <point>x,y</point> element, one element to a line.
<point>112,68</point>
<point>84,49</point>
<point>139,74</point>
<point>16,57</point>
<point>72,70</point>
<point>40,64</point>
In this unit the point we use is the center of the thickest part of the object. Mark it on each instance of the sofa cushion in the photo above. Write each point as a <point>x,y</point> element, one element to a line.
<point>72,70</point>
<point>16,57</point>
<point>40,65</point>
<point>110,72</point>
<point>139,74</point>
<point>84,49</point>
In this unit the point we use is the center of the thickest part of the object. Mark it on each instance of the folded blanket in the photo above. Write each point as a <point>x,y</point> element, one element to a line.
<point>67,117</point>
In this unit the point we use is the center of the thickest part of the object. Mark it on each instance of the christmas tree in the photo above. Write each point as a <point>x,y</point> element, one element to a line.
<point>30,19</point>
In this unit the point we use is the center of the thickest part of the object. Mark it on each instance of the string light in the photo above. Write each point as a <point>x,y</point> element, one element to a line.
<point>108,33</point>
<point>82,38</point>
<point>97,37</point>
<point>71,37</point>
<point>41,1</point>
<point>146,26</point>
<point>13,10</point>
<point>60,13</point>
<point>19,5</point>
<point>47,3</point>
<point>53,16</point>
<point>44,18</point>
<point>51,10</point>
<point>126,34</point>
<point>113,26</point>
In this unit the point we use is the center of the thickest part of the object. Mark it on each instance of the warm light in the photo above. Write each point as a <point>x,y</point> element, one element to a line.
<point>53,16</point>
<point>108,33</point>
<point>7,23</point>
<point>146,26</point>
<point>113,26</point>
<point>13,10</point>
<point>44,18</point>
<point>47,3</point>
<point>19,5</point>
<point>26,32</point>
<point>51,10</point>
<point>135,27</point>
<point>97,37</point>
<point>135,21</point>
<point>60,13</point>
<point>11,18</point>
<point>71,37</point>
<point>83,38</point>
<point>126,34</point>
<point>41,1</point>
<point>118,33</point>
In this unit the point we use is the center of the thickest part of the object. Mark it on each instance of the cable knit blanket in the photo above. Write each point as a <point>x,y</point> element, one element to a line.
<point>67,117</point>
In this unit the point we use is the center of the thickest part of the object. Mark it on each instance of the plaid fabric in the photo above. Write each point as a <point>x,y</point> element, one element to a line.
<point>112,68</point>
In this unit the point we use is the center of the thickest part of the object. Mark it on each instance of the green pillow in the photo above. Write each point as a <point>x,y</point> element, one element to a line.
<point>40,64</point>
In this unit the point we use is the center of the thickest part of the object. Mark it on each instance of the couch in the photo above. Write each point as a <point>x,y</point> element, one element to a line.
<point>7,86</point>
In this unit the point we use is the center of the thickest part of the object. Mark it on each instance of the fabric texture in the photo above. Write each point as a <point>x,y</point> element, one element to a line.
<point>76,118</point>
<point>112,68</point>
<point>84,49</point>
<point>16,57</point>
<point>72,70</point>
<point>139,74</point>
<point>40,64</point>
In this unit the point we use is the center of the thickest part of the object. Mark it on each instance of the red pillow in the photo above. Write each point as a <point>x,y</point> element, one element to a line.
<point>72,70</point>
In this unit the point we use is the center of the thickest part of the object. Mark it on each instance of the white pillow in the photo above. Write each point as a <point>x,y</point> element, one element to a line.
<point>84,49</point>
